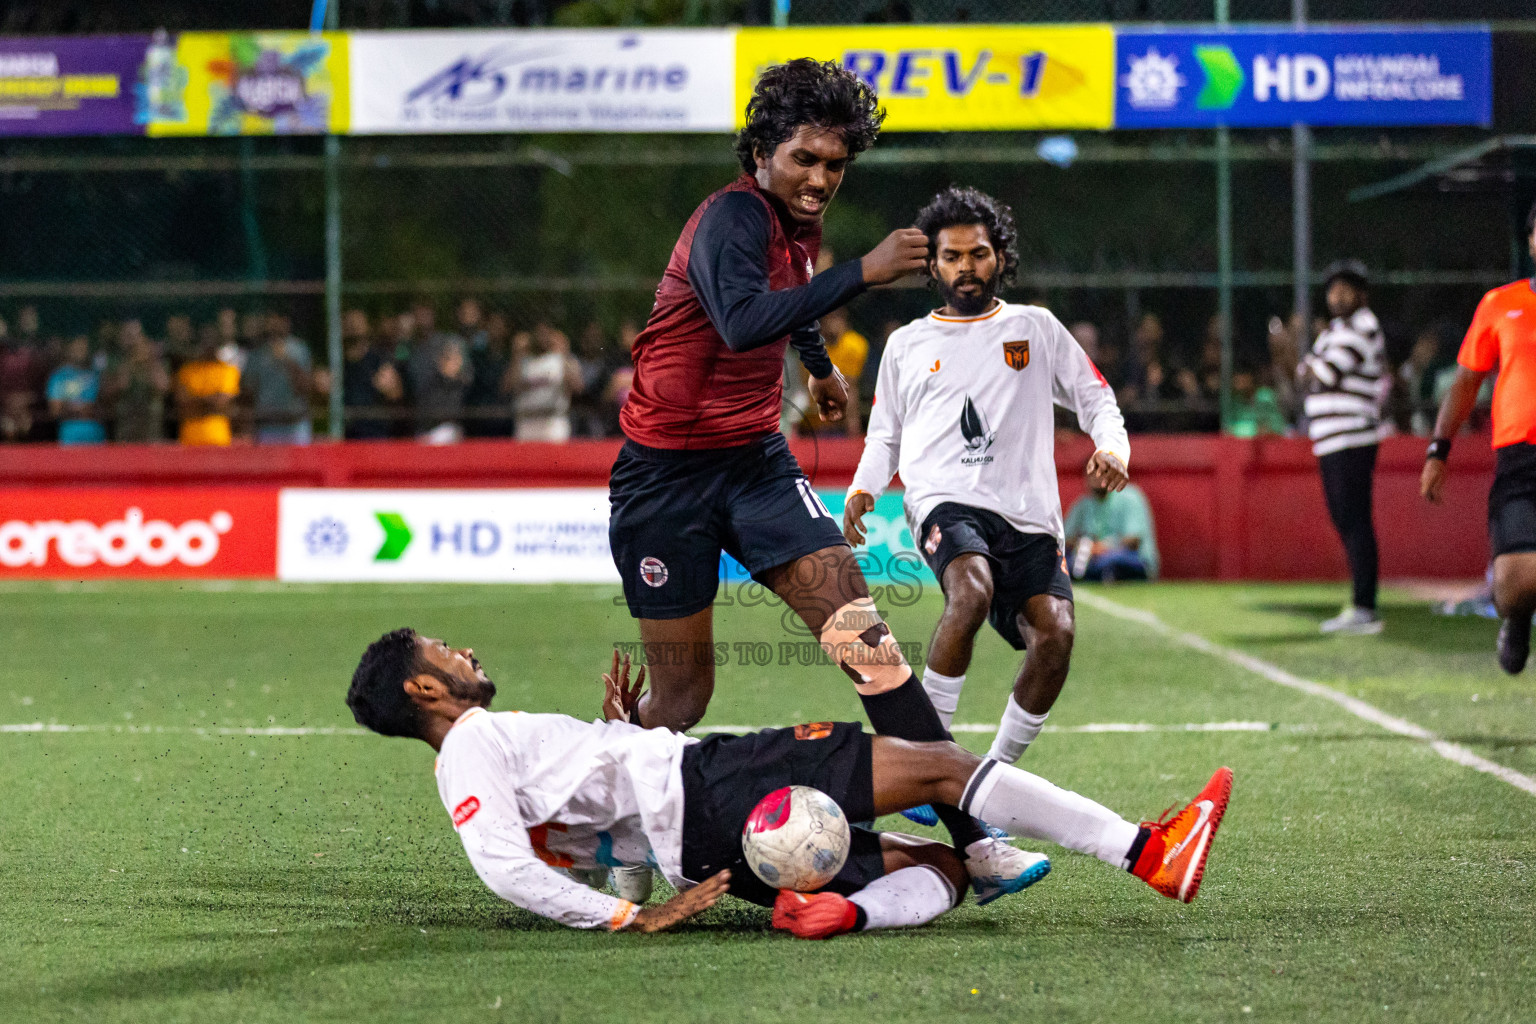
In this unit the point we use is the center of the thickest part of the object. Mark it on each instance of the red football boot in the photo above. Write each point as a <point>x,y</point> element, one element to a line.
<point>818,915</point>
<point>1173,860</point>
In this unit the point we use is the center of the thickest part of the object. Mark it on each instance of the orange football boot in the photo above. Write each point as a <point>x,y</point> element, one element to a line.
<point>818,915</point>
<point>1173,859</point>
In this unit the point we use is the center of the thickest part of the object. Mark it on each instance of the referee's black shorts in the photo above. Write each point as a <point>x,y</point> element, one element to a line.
<point>725,776</point>
<point>1512,500</point>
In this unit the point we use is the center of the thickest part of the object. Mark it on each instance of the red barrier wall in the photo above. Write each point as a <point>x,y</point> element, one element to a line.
<point>1225,508</point>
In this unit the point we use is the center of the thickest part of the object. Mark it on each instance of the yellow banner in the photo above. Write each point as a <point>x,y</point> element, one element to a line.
<point>957,77</point>
<point>252,83</point>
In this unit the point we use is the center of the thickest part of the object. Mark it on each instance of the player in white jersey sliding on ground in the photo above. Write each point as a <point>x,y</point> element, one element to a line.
<point>964,409</point>
<point>532,793</point>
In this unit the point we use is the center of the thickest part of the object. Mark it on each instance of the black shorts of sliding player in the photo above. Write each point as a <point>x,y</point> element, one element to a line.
<point>725,776</point>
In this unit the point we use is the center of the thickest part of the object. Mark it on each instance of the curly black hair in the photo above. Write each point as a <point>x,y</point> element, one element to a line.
<point>957,206</point>
<point>377,696</point>
<point>804,92</point>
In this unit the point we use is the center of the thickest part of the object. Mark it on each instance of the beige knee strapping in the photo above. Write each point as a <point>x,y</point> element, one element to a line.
<point>859,642</point>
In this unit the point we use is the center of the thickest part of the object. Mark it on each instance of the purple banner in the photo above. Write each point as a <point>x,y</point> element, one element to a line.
<point>70,86</point>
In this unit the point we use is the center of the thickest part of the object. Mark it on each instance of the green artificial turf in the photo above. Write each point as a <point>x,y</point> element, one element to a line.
<point>186,875</point>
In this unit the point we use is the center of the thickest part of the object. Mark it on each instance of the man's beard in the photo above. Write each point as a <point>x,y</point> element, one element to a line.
<point>970,305</point>
<point>476,690</point>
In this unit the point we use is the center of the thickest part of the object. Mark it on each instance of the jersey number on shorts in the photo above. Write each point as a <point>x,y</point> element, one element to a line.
<point>813,502</point>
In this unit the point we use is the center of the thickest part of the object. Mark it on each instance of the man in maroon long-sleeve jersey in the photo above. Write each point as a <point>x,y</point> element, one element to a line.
<point>705,468</point>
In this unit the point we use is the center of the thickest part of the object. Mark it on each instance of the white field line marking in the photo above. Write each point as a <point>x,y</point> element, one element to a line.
<point>1091,727</point>
<point>184,730</point>
<point>1275,674</point>
<point>279,730</point>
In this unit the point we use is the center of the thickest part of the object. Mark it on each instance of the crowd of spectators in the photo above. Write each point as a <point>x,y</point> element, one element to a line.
<point>1159,391</point>
<point>246,376</point>
<point>249,377</point>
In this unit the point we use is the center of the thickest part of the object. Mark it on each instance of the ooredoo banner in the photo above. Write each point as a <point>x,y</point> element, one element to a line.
<point>674,80</point>
<point>457,536</point>
<point>127,532</point>
<point>956,77</point>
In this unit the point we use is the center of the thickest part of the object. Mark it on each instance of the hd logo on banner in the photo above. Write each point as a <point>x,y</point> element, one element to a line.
<point>469,536</point>
<point>961,78</point>
<point>1320,77</point>
<point>542,81</point>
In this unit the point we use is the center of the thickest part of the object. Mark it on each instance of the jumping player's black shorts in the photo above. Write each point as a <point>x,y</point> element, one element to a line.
<point>673,512</point>
<point>1512,500</point>
<point>725,776</point>
<point>1023,564</point>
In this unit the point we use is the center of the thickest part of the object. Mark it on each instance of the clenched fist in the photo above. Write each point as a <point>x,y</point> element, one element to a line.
<point>904,251</point>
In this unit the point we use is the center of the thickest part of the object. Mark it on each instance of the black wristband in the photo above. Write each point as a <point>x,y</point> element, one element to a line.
<point>1439,448</point>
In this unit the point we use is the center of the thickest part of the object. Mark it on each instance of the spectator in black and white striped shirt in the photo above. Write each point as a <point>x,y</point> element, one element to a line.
<point>1343,377</point>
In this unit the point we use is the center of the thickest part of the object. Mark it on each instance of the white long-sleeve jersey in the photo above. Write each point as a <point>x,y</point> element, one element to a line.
<point>530,794</point>
<point>963,408</point>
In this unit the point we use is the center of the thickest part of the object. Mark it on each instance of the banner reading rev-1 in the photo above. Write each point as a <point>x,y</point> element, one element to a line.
<point>952,77</point>
<point>1394,76</point>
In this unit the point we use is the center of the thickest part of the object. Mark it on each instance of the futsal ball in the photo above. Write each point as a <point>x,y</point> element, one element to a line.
<point>796,838</point>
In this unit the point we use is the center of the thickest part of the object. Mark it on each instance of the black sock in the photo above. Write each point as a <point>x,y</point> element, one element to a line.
<point>1140,844</point>
<point>907,713</point>
<point>860,919</point>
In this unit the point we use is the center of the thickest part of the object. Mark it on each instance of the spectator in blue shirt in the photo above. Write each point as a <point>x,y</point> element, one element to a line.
<point>73,390</point>
<point>1110,535</point>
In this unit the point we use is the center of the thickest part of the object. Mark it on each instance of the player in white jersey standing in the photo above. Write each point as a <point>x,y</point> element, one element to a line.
<point>964,409</point>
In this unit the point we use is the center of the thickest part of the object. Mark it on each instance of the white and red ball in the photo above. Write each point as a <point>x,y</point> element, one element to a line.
<point>796,838</point>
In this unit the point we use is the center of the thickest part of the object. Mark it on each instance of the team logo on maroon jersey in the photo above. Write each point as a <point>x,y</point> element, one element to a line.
<point>653,571</point>
<point>935,537</point>
<point>1016,354</point>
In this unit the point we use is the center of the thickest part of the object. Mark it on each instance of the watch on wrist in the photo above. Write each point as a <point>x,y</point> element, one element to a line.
<point>1439,448</point>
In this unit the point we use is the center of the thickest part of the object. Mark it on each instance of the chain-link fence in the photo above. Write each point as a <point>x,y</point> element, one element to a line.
<point>572,231</point>
<point>569,231</point>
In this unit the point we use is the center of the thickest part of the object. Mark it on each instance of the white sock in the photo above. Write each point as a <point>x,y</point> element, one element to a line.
<point>905,898</point>
<point>1027,805</point>
<point>944,692</point>
<point>1015,732</point>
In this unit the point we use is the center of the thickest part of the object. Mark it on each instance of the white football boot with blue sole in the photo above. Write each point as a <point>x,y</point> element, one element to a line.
<point>997,869</point>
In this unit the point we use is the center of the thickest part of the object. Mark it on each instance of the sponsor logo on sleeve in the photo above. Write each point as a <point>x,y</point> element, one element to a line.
<point>465,811</point>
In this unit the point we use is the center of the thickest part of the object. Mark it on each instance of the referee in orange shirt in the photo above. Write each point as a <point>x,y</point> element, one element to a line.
<point>1502,338</point>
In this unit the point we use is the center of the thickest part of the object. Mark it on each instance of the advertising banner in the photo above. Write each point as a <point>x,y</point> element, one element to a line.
<point>69,86</point>
<point>957,77</point>
<point>79,534</point>
<point>669,80</point>
<point>449,536</point>
<point>247,83</point>
<point>1397,76</point>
